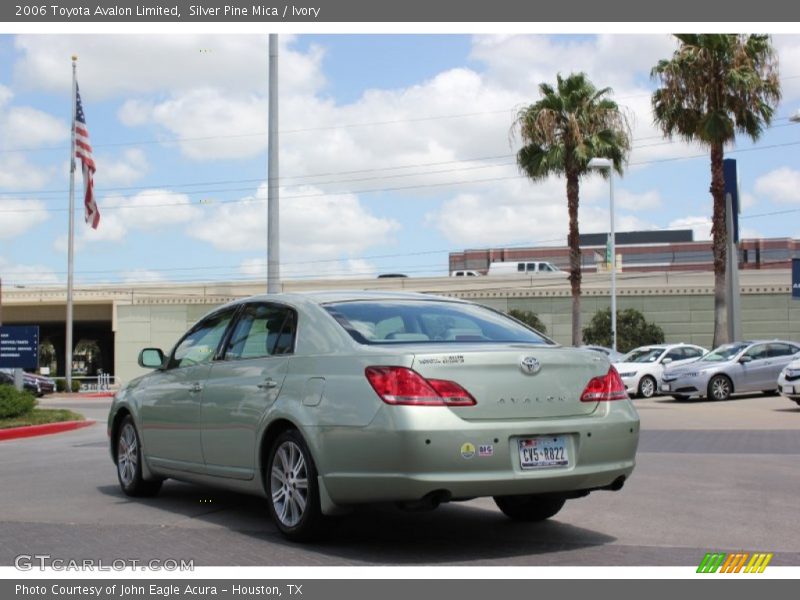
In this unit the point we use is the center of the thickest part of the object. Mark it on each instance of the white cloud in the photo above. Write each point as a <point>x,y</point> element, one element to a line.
<point>149,210</point>
<point>142,276</point>
<point>17,216</point>
<point>350,268</point>
<point>22,128</point>
<point>700,225</point>
<point>781,185</point>
<point>314,228</point>
<point>210,124</point>
<point>124,170</point>
<point>17,274</point>
<point>112,65</point>
<point>648,200</point>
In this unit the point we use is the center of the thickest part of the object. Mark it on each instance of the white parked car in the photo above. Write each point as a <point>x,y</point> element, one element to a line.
<point>642,367</point>
<point>465,273</point>
<point>789,381</point>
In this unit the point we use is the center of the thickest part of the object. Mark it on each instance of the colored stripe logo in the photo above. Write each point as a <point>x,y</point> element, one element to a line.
<point>739,562</point>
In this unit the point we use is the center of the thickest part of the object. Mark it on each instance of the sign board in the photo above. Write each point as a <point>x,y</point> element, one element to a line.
<point>796,279</point>
<point>731,176</point>
<point>19,346</point>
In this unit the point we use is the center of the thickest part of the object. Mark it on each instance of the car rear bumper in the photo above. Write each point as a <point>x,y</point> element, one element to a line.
<point>392,461</point>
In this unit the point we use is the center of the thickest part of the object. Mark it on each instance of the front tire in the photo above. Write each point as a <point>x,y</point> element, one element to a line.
<point>129,462</point>
<point>719,388</point>
<point>647,387</point>
<point>529,508</point>
<point>293,493</point>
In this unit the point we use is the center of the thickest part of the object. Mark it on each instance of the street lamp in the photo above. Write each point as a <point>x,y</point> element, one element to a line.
<point>602,164</point>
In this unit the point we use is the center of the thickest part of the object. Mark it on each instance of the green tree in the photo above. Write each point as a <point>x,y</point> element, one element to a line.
<point>714,86</point>
<point>531,319</point>
<point>570,125</point>
<point>633,330</point>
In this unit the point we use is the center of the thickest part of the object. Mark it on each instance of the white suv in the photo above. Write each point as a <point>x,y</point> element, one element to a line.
<point>642,367</point>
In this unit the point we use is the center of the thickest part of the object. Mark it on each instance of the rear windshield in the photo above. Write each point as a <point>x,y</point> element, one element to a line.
<point>399,322</point>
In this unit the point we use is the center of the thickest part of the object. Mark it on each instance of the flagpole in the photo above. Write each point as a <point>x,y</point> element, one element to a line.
<point>70,247</point>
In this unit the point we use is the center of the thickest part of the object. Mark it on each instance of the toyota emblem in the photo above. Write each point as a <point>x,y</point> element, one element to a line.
<point>530,365</point>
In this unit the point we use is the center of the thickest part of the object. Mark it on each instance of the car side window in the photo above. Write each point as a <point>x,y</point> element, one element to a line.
<point>201,343</point>
<point>776,350</point>
<point>757,352</point>
<point>675,354</point>
<point>261,330</point>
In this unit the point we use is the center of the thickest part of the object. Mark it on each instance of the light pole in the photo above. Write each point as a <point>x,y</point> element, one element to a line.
<point>602,164</point>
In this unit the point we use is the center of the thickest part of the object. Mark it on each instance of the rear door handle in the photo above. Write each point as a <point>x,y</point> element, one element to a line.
<point>268,384</point>
<point>195,388</point>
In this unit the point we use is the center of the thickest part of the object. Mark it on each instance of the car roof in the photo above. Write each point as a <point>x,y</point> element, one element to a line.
<point>326,297</point>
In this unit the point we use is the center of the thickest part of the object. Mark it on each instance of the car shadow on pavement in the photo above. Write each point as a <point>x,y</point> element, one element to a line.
<point>376,534</point>
<point>704,400</point>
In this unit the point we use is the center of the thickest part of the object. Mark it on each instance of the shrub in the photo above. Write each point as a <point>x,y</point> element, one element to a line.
<point>14,403</point>
<point>61,385</point>
<point>531,319</point>
<point>633,330</point>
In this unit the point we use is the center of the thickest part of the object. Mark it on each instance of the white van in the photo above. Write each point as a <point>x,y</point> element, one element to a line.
<point>465,273</point>
<point>527,267</point>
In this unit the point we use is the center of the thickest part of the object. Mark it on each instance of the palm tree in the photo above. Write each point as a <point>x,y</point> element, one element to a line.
<point>714,86</point>
<point>569,126</point>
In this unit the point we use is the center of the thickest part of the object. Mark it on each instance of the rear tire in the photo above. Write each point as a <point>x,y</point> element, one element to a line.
<point>292,490</point>
<point>647,387</point>
<point>129,462</point>
<point>529,508</point>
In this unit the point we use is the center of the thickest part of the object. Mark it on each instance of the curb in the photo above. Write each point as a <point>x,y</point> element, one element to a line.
<point>46,429</point>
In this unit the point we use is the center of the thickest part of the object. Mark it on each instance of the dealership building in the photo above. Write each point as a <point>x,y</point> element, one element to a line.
<point>112,323</point>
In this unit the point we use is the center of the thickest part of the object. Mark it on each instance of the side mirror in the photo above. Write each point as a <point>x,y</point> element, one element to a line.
<point>666,361</point>
<point>744,359</point>
<point>151,358</point>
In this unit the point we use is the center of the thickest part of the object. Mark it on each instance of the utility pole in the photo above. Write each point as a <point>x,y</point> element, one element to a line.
<point>273,218</point>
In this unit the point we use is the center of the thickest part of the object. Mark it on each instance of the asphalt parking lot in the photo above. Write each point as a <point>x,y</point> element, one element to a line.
<point>710,477</point>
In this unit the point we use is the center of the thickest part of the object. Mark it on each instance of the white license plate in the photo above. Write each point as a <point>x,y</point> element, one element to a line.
<point>664,387</point>
<point>543,452</point>
<point>788,389</point>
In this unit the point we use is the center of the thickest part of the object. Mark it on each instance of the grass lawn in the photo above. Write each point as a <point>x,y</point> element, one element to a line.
<point>40,416</point>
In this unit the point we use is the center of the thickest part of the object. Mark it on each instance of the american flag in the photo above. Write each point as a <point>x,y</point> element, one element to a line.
<point>83,150</point>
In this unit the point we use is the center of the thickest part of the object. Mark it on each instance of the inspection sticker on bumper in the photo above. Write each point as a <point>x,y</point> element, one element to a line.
<point>543,451</point>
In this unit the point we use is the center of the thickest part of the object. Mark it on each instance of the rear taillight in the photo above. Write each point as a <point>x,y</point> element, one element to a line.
<point>399,385</point>
<point>605,388</point>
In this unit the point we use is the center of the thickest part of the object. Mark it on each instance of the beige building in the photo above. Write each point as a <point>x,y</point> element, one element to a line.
<point>113,322</point>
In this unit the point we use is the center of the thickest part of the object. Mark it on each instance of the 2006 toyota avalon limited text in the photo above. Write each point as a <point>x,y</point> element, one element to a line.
<point>320,402</point>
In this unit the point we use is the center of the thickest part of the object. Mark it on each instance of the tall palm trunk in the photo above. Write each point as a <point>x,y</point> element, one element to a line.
<point>719,245</point>
<point>574,256</point>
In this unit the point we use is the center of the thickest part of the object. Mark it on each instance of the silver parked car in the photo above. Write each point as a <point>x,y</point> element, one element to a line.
<point>749,366</point>
<point>319,402</point>
<point>789,381</point>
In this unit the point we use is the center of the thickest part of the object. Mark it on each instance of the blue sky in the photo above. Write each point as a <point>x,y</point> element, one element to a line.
<point>179,129</point>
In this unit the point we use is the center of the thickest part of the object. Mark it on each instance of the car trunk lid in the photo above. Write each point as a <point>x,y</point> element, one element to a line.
<point>516,382</point>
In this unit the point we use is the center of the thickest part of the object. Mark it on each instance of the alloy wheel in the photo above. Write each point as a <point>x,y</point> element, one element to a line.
<point>127,454</point>
<point>289,483</point>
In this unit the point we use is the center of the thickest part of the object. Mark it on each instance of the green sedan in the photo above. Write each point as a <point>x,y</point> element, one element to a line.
<point>320,402</point>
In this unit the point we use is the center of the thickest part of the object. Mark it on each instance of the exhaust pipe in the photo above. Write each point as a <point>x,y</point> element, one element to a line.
<point>429,501</point>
